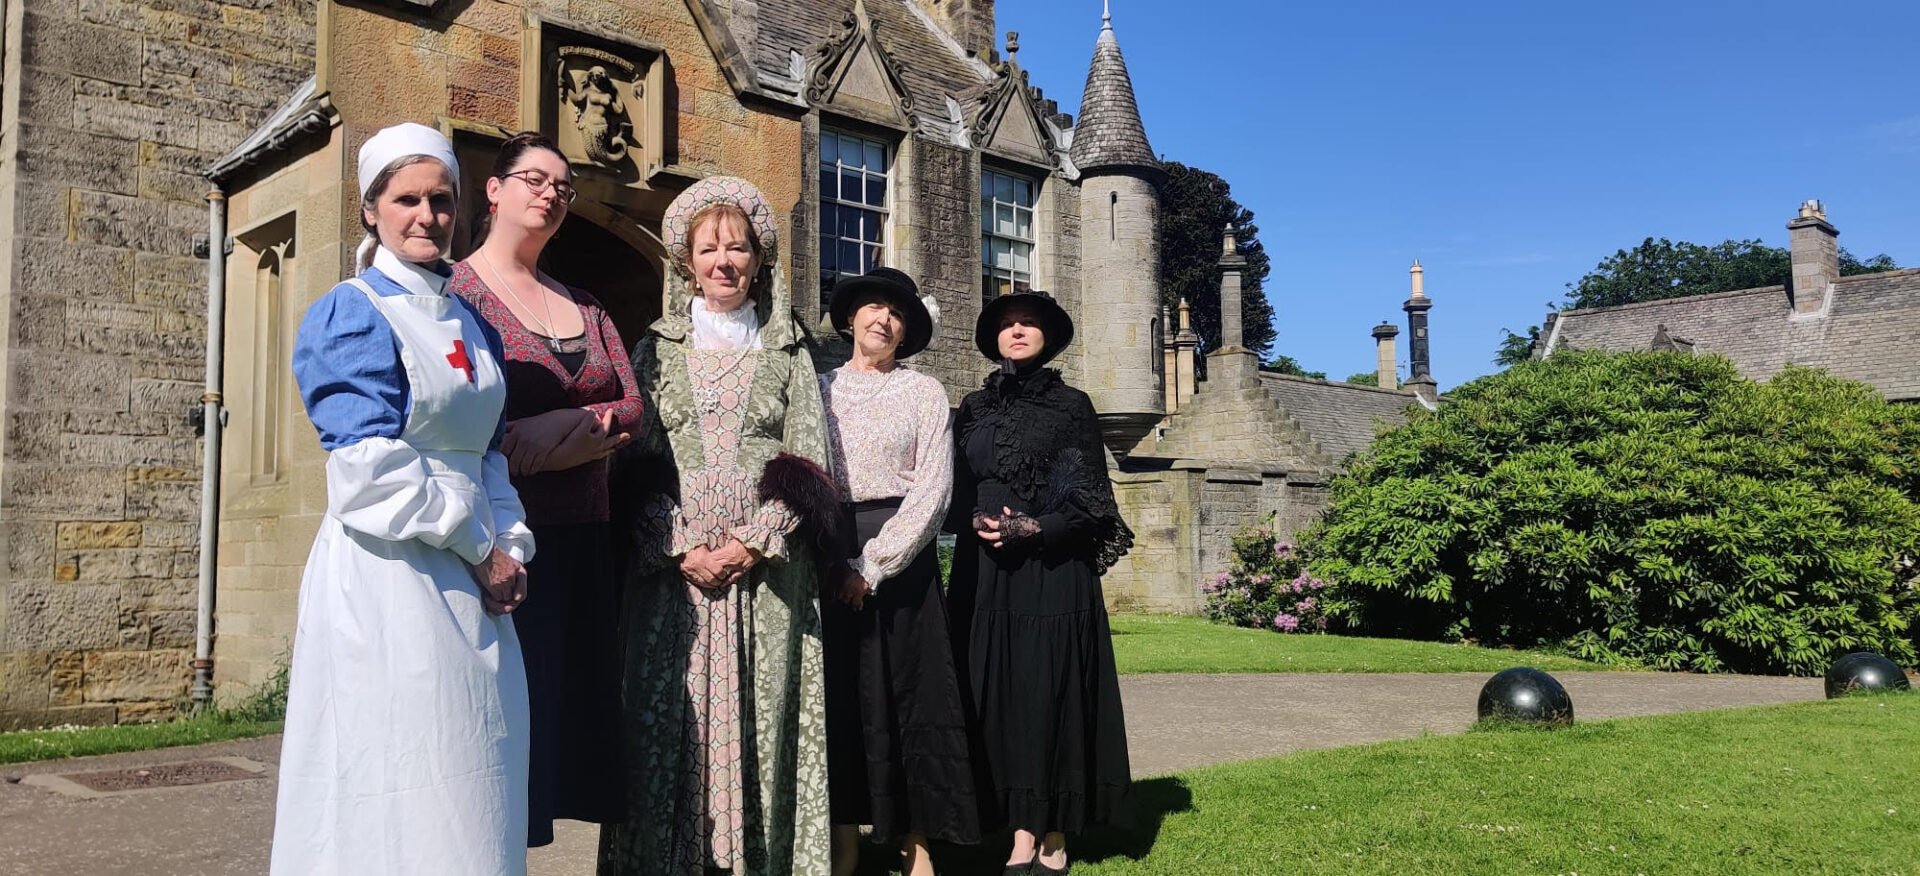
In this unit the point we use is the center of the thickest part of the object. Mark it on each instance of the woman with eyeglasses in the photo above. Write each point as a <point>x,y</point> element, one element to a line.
<point>571,400</point>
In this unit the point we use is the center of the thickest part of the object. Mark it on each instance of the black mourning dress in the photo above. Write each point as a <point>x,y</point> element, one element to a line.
<point>1030,623</point>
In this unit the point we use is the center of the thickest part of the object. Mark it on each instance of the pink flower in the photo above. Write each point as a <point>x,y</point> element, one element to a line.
<point>1283,549</point>
<point>1262,579</point>
<point>1300,583</point>
<point>1317,584</point>
<point>1320,623</point>
<point>1306,605</point>
<point>1285,623</point>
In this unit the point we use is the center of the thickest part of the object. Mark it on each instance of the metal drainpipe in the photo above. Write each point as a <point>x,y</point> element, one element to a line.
<point>210,401</point>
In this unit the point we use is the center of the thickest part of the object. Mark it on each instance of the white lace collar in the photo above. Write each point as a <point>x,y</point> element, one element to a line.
<point>737,329</point>
<point>417,279</point>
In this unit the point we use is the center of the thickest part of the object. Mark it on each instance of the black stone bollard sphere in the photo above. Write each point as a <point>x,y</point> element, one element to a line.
<point>1863,671</point>
<point>1526,694</point>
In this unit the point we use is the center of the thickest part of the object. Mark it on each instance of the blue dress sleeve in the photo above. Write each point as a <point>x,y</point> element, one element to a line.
<point>346,361</point>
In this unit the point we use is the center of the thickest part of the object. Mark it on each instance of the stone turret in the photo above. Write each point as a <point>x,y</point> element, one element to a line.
<point>1419,369</point>
<point>1119,214</point>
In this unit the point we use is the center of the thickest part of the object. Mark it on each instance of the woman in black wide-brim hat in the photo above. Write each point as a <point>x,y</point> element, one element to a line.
<point>1034,511</point>
<point>897,749</point>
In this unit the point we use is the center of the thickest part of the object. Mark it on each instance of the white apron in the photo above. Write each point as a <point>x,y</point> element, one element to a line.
<point>406,735</point>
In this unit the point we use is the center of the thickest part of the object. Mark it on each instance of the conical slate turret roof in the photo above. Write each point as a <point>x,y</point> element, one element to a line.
<point>1109,135</point>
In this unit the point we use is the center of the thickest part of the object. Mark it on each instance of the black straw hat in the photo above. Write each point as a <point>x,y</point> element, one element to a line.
<point>1055,325</point>
<point>919,314</point>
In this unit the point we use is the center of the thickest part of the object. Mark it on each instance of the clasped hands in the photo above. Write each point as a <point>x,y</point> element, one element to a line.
<point>502,580</point>
<point>714,568</point>
<point>1008,528</point>
<point>559,439</point>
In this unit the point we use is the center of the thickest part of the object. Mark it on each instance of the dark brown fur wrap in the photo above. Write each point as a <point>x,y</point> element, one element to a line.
<point>809,492</point>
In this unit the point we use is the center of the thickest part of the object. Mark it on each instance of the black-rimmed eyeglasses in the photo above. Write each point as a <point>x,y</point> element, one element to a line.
<point>538,183</point>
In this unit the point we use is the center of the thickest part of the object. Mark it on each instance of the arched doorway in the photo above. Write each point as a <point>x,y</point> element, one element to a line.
<point>625,280</point>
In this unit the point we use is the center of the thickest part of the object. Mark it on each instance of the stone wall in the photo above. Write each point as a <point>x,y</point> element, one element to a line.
<point>112,109</point>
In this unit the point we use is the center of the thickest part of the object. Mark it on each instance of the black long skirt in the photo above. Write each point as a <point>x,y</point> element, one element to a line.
<point>569,641</point>
<point>897,753</point>
<point>1037,657</point>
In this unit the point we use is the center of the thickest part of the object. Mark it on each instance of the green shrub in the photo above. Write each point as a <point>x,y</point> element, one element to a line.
<point>1646,507</point>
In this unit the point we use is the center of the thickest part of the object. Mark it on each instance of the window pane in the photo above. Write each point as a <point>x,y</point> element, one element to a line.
<point>873,226</point>
<point>986,215</point>
<point>876,256</point>
<point>1022,258</point>
<point>1002,255</point>
<point>877,190</point>
<point>1002,219</point>
<point>1002,188</point>
<point>1023,192</point>
<point>850,223</point>
<point>850,185</point>
<point>829,148</point>
<point>1023,224</point>
<point>829,183</point>
<point>986,251</point>
<point>986,187</point>
<point>829,255</point>
<point>849,257</point>
<point>876,157</point>
<point>829,220</point>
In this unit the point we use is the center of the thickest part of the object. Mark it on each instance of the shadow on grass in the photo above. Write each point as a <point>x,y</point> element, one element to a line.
<point>1148,804</point>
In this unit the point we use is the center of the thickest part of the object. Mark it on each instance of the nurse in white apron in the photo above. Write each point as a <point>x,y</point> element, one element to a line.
<point>406,735</point>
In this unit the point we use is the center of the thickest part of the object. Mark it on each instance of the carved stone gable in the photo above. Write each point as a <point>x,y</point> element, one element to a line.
<point>851,73</point>
<point>601,98</point>
<point>1007,123</point>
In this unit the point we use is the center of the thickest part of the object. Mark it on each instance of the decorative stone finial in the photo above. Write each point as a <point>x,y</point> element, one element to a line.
<point>1106,15</point>
<point>1229,244</point>
<point>1813,209</point>
<point>1013,44</point>
<point>1419,275</point>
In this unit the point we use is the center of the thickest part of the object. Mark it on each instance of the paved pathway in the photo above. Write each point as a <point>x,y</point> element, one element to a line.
<point>1174,722</point>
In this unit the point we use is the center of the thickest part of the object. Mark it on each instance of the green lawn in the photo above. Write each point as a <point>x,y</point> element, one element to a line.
<point>30,745</point>
<point>1155,643</point>
<point>1821,787</point>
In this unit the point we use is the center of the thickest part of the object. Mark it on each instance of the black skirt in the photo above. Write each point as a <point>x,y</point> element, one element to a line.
<point>897,753</point>
<point>569,641</point>
<point>1036,655</point>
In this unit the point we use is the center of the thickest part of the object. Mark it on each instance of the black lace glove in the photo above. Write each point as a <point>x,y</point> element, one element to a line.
<point>1018,530</point>
<point>980,519</point>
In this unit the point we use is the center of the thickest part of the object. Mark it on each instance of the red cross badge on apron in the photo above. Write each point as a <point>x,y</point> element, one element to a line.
<point>458,359</point>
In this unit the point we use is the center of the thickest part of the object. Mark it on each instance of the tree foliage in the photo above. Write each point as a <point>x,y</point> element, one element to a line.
<point>1284,364</point>
<point>1365,378</point>
<point>1660,269</point>
<point>1195,207</point>
<point>1643,507</point>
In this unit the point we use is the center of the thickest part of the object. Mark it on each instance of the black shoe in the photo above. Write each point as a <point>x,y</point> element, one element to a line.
<point>1021,869</point>
<point>1040,869</point>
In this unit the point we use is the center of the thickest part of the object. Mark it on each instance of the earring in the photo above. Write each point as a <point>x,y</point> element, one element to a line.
<point>493,208</point>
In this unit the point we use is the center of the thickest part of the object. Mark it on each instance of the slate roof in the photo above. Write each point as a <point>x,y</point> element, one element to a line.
<point>1339,417</point>
<point>1870,333</point>
<point>1110,134</point>
<point>931,64</point>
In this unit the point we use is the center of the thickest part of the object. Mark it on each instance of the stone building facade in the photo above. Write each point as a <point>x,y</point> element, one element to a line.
<point>884,131</point>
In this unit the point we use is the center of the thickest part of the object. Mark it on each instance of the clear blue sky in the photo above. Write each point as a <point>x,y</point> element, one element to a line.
<point>1509,145</point>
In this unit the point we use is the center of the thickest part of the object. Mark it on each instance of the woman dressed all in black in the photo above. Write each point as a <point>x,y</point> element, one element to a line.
<point>1033,507</point>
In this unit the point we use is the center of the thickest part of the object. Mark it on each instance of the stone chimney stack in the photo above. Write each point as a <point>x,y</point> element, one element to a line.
<point>1419,373</point>
<point>1233,364</point>
<point>970,22</point>
<point>1389,373</point>
<point>1815,245</point>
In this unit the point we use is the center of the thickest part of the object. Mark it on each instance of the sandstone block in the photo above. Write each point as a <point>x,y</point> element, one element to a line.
<point>65,490</point>
<point>116,676</point>
<point>67,270</point>
<point>60,155</point>
<point>73,46</point>
<point>44,616</point>
<point>173,629</point>
<point>82,535</point>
